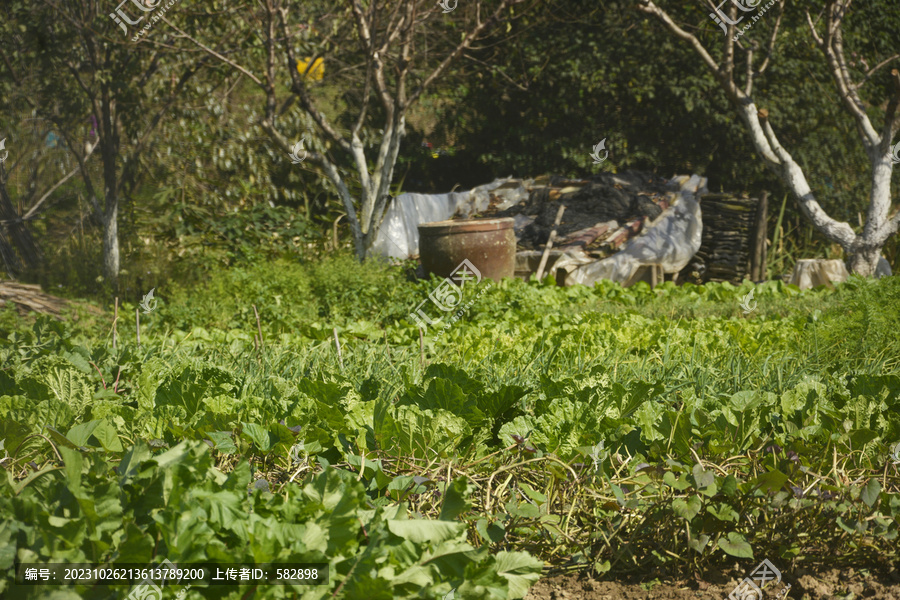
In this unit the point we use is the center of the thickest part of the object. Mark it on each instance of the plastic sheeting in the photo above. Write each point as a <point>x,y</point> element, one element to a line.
<point>398,236</point>
<point>883,269</point>
<point>671,241</point>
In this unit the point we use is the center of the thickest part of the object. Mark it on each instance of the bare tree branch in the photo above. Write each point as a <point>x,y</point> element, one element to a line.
<point>475,33</point>
<point>55,186</point>
<point>649,7</point>
<point>212,52</point>
<point>874,69</point>
<point>748,86</point>
<point>832,48</point>
<point>770,50</point>
<point>812,30</point>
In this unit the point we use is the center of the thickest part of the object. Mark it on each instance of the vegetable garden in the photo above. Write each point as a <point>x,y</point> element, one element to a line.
<point>620,432</point>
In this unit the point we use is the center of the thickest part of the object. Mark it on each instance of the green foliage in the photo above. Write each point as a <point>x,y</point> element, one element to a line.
<point>248,236</point>
<point>347,289</point>
<point>290,296</point>
<point>176,505</point>
<point>280,289</point>
<point>549,422</point>
<point>856,327</point>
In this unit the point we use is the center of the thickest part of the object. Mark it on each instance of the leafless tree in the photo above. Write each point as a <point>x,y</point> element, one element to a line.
<point>388,37</point>
<point>862,249</point>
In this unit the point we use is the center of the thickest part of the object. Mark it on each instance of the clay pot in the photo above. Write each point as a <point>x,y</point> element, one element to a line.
<point>488,244</point>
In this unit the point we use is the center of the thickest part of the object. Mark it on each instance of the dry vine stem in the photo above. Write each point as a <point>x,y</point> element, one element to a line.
<point>487,496</point>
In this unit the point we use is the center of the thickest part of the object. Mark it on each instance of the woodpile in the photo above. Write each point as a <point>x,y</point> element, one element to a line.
<point>28,297</point>
<point>733,246</point>
<point>603,211</point>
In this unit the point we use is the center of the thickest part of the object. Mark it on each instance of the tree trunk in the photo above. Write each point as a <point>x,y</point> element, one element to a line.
<point>109,141</point>
<point>862,259</point>
<point>862,250</point>
<point>375,201</point>
<point>111,245</point>
<point>20,238</point>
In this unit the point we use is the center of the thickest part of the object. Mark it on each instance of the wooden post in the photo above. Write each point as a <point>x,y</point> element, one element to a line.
<point>115,323</point>
<point>559,214</point>
<point>334,233</point>
<point>259,329</point>
<point>758,256</point>
<point>421,348</point>
<point>337,344</point>
<point>764,241</point>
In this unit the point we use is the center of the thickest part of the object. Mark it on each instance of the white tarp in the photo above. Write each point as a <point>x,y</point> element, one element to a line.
<point>671,241</point>
<point>398,236</point>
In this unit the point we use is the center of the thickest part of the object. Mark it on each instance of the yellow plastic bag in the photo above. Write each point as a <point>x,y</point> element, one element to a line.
<point>316,72</point>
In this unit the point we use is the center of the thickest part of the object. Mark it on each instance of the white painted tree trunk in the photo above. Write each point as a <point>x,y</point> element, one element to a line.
<point>387,34</point>
<point>863,249</point>
<point>111,245</point>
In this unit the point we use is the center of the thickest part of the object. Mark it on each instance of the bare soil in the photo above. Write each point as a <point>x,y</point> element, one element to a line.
<point>834,584</point>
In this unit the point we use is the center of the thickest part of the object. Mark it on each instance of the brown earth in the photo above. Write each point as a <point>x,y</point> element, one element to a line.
<point>28,297</point>
<point>804,585</point>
